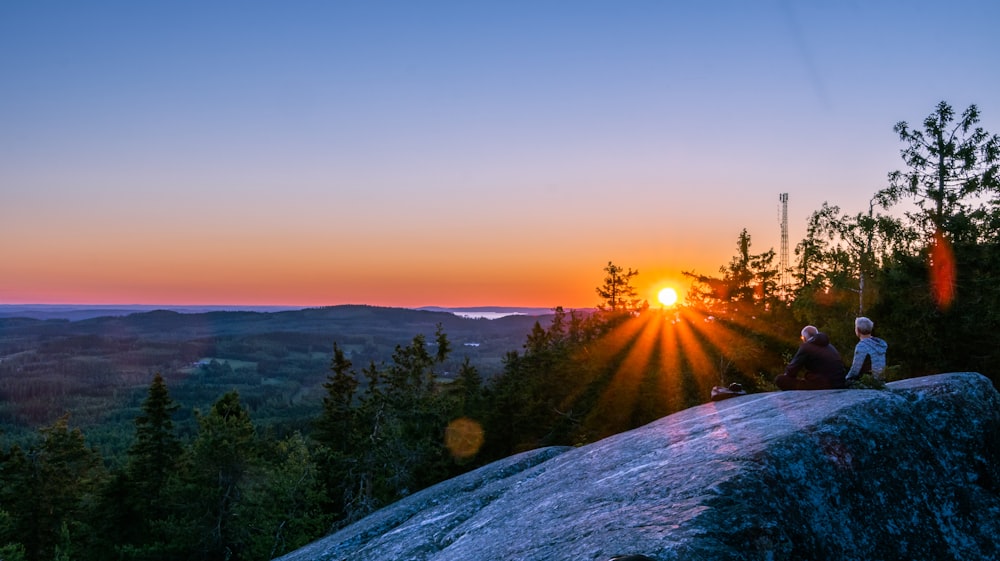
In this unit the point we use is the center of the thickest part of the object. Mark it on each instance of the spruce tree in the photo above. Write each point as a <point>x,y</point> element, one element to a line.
<point>156,451</point>
<point>334,426</point>
<point>208,490</point>
<point>48,493</point>
<point>136,505</point>
<point>223,456</point>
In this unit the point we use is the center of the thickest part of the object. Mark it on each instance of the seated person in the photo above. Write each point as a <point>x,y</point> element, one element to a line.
<point>869,353</point>
<point>819,359</point>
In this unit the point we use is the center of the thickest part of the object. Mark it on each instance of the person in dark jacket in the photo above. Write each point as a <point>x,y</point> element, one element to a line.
<point>818,359</point>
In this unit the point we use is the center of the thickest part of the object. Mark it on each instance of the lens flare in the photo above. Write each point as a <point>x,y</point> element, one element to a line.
<point>942,271</point>
<point>463,437</point>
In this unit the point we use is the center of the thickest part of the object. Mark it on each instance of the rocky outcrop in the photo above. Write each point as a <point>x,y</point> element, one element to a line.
<point>911,472</point>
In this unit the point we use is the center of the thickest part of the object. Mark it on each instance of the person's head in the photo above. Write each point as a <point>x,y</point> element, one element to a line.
<point>808,332</point>
<point>863,326</point>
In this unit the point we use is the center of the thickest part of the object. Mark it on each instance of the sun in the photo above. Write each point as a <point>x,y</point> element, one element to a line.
<point>667,296</point>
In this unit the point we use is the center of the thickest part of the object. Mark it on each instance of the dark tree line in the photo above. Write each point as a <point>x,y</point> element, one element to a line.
<point>929,277</point>
<point>228,494</point>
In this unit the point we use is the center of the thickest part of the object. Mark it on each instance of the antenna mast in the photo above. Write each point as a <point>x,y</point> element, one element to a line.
<point>785,276</point>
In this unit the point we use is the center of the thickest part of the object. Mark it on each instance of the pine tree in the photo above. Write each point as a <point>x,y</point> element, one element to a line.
<point>469,387</point>
<point>283,510</point>
<point>222,459</point>
<point>48,493</point>
<point>617,293</point>
<point>952,163</point>
<point>157,450</point>
<point>136,504</point>
<point>334,426</point>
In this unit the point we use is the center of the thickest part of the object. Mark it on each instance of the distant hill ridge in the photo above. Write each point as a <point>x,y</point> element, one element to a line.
<point>77,312</point>
<point>172,325</point>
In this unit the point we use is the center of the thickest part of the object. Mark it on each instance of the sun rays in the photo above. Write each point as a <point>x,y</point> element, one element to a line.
<point>658,363</point>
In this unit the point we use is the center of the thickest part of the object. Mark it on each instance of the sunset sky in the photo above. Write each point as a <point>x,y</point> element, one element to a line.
<point>418,153</point>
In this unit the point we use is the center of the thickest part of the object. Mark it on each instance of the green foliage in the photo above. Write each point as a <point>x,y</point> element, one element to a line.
<point>868,382</point>
<point>928,338</point>
<point>10,549</point>
<point>938,303</point>
<point>839,260</point>
<point>467,390</point>
<point>282,510</point>
<point>222,458</point>
<point>12,552</point>
<point>338,404</point>
<point>526,401</point>
<point>951,163</point>
<point>157,450</point>
<point>387,440</point>
<point>135,504</point>
<point>48,493</point>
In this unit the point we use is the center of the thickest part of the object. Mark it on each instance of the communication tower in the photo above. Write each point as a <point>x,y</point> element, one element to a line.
<point>785,280</point>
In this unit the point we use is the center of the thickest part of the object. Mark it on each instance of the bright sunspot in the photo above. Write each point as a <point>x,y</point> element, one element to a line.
<point>667,296</point>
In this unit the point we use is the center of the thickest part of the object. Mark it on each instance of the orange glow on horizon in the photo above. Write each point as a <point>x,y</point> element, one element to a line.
<point>130,264</point>
<point>296,280</point>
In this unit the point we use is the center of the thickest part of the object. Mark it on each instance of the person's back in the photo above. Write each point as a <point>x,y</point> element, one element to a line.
<point>820,360</point>
<point>869,353</point>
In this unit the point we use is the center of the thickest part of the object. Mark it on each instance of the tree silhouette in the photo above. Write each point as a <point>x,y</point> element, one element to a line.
<point>951,163</point>
<point>617,293</point>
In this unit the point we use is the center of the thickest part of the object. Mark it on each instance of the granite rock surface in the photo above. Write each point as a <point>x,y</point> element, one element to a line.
<point>911,472</point>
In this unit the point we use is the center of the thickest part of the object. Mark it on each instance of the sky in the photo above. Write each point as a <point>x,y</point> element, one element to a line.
<point>464,153</point>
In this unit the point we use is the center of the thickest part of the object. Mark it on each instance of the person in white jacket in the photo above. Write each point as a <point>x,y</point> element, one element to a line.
<point>869,353</point>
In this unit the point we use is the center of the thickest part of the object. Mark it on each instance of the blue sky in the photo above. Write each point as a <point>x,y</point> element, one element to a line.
<point>446,153</point>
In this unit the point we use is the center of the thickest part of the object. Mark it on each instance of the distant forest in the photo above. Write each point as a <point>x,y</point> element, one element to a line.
<point>98,369</point>
<point>231,436</point>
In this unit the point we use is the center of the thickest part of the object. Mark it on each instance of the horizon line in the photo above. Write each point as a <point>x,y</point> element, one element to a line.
<point>283,306</point>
